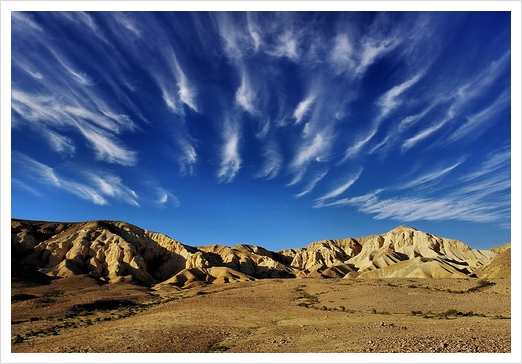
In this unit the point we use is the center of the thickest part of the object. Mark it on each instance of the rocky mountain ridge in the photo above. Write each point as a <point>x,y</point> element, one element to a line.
<point>112,251</point>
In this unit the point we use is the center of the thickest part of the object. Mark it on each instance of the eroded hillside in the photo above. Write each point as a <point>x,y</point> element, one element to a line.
<point>113,251</point>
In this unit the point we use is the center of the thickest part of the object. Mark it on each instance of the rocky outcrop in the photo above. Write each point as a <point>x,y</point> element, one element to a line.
<point>499,266</point>
<point>114,251</point>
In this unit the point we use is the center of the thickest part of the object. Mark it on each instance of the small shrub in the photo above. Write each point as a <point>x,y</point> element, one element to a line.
<point>374,311</point>
<point>500,317</point>
<point>482,283</point>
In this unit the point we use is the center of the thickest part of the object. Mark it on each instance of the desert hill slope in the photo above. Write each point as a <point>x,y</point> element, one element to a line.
<point>113,251</point>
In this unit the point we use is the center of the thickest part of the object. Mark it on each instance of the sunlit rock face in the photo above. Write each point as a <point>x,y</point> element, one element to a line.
<point>117,251</point>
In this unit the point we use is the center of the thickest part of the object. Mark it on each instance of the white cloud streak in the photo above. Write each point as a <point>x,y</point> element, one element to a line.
<point>245,95</point>
<point>428,177</point>
<point>60,143</point>
<point>411,142</point>
<point>342,53</point>
<point>112,186</point>
<point>388,102</point>
<point>478,123</point>
<point>186,91</point>
<point>230,158</point>
<point>312,150</point>
<point>287,47</point>
<point>391,99</point>
<point>478,196</point>
<point>472,89</point>
<point>311,185</point>
<point>46,175</point>
<point>500,159</point>
<point>303,108</point>
<point>339,190</point>
<point>273,161</point>
<point>166,198</point>
<point>105,146</point>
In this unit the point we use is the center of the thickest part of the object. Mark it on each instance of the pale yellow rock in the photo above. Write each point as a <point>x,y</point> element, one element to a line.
<point>115,251</point>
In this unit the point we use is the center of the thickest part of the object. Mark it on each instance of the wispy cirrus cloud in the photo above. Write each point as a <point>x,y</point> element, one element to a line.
<point>60,143</point>
<point>303,108</point>
<point>188,157</point>
<point>414,140</point>
<point>392,98</point>
<point>230,163</point>
<point>254,31</point>
<point>96,187</point>
<point>186,91</point>
<point>46,113</point>
<point>165,198</point>
<point>46,175</point>
<point>463,103</point>
<point>388,102</point>
<point>312,149</point>
<point>286,47</point>
<point>339,190</point>
<point>107,148</point>
<point>431,177</point>
<point>409,121</point>
<point>313,182</point>
<point>273,161</point>
<point>500,159</point>
<point>111,186</point>
<point>21,21</point>
<point>342,55</point>
<point>477,196</point>
<point>246,95</point>
<point>478,122</point>
<point>239,37</point>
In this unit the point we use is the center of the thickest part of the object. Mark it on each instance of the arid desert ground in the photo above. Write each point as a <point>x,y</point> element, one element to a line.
<point>75,314</point>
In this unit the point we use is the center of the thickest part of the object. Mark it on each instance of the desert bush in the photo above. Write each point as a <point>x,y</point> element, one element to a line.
<point>501,317</point>
<point>482,283</point>
<point>313,298</point>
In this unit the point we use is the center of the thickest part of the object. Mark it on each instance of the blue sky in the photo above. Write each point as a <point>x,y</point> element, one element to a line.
<point>265,128</point>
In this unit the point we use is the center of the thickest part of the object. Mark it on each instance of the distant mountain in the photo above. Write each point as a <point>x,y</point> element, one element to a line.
<point>112,251</point>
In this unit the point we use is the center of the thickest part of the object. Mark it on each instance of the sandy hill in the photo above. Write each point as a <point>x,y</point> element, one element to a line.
<point>499,266</point>
<point>114,251</point>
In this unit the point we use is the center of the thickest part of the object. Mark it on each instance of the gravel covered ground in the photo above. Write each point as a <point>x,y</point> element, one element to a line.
<point>265,316</point>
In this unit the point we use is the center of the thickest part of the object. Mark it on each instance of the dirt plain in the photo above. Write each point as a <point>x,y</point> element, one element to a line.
<point>404,315</point>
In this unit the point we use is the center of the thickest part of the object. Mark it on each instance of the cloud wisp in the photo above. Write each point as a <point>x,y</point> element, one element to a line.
<point>273,161</point>
<point>313,182</point>
<point>339,190</point>
<point>103,186</point>
<point>230,163</point>
<point>473,197</point>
